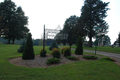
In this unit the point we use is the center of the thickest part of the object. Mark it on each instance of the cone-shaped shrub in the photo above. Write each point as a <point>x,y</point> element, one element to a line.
<point>28,51</point>
<point>79,49</point>
<point>53,45</point>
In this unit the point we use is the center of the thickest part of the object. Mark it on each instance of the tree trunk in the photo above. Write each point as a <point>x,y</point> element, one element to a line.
<point>90,35</point>
<point>90,41</point>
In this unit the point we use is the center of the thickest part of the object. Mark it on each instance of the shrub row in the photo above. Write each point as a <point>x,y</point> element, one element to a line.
<point>90,57</point>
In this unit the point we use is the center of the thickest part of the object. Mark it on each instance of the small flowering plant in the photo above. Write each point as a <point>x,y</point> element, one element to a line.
<point>56,53</point>
<point>43,53</point>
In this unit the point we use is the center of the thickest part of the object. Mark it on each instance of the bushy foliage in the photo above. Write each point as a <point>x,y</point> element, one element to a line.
<point>72,58</point>
<point>62,50</point>
<point>53,61</point>
<point>43,53</point>
<point>79,49</point>
<point>66,52</point>
<point>119,39</point>
<point>53,45</point>
<point>90,57</point>
<point>22,47</point>
<point>56,53</point>
<point>109,59</point>
<point>28,52</point>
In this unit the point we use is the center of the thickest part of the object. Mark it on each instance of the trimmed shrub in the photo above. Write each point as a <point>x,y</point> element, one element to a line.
<point>62,50</point>
<point>53,45</point>
<point>22,47</point>
<point>66,52</point>
<point>28,51</point>
<point>109,59</point>
<point>90,57</point>
<point>79,49</point>
<point>72,58</point>
<point>53,61</point>
<point>56,53</point>
<point>43,53</point>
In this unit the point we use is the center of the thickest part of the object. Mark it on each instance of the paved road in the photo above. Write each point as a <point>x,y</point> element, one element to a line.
<point>114,55</point>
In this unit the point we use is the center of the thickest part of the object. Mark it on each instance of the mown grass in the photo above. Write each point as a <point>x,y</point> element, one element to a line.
<point>80,70</point>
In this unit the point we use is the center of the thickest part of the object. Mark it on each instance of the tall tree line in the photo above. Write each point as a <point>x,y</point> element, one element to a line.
<point>13,23</point>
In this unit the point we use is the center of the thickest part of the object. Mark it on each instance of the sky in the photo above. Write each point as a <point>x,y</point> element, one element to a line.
<point>53,13</point>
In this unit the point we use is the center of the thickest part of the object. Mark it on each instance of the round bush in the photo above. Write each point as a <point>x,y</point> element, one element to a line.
<point>89,57</point>
<point>66,52</point>
<point>72,58</point>
<point>43,53</point>
<point>56,53</point>
<point>53,45</point>
<point>22,47</point>
<point>62,50</point>
<point>53,61</point>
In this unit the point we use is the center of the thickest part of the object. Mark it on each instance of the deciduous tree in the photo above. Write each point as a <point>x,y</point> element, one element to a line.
<point>13,21</point>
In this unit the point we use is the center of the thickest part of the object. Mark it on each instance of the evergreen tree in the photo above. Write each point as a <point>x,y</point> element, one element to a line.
<point>93,14</point>
<point>53,45</point>
<point>29,51</point>
<point>79,49</point>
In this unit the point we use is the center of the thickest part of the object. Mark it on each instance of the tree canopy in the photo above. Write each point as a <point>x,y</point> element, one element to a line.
<point>13,21</point>
<point>93,15</point>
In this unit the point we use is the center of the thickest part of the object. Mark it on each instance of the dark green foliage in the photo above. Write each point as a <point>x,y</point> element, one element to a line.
<point>13,22</point>
<point>90,57</point>
<point>43,53</point>
<point>119,39</point>
<point>56,53</point>
<point>79,49</point>
<point>62,50</point>
<point>72,58</point>
<point>22,47</point>
<point>53,61</point>
<point>66,51</point>
<point>109,59</point>
<point>71,23</point>
<point>93,14</point>
<point>53,45</point>
<point>29,51</point>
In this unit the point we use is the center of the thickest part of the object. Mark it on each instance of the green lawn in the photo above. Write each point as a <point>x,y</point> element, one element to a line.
<point>81,70</point>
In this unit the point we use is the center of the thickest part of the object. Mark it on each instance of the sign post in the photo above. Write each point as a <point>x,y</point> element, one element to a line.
<point>96,42</point>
